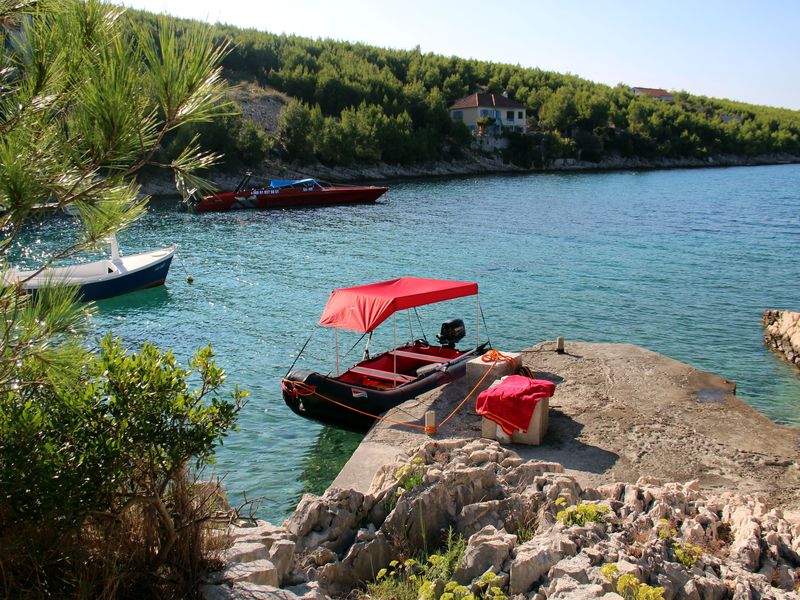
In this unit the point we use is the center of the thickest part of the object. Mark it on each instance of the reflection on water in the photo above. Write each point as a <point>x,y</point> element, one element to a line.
<point>140,302</point>
<point>326,457</point>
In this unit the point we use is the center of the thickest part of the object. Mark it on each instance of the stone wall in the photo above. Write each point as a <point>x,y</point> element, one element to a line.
<point>782,333</point>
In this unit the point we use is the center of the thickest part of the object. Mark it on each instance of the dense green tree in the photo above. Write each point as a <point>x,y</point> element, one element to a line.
<point>296,127</point>
<point>454,87</point>
<point>559,111</point>
<point>94,446</point>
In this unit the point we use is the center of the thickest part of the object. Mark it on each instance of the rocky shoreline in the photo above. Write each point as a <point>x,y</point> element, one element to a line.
<point>671,538</point>
<point>782,333</point>
<point>474,163</point>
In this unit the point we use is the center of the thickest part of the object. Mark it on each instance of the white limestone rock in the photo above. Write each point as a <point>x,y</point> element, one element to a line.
<point>535,558</point>
<point>259,572</point>
<point>245,591</point>
<point>244,552</point>
<point>577,568</point>
<point>281,554</point>
<point>486,549</point>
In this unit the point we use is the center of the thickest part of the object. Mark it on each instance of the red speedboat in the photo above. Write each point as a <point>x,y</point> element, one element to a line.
<point>287,193</point>
<point>351,399</point>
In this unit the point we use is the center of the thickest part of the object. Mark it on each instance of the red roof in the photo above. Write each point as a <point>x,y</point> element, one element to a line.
<point>479,99</point>
<point>652,92</point>
<point>364,307</point>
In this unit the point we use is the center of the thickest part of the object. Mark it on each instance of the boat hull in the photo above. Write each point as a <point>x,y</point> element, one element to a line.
<point>128,274</point>
<point>268,198</point>
<point>350,406</point>
<point>149,277</point>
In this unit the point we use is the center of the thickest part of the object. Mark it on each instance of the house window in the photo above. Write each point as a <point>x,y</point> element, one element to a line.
<point>458,115</point>
<point>519,114</point>
<point>509,115</point>
<point>485,112</point>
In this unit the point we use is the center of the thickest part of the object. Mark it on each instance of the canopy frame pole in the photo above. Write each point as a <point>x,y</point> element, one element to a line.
<point>336,335</point>
<point>394,356</point>
<point>366,346</point>
<point>477,320</point>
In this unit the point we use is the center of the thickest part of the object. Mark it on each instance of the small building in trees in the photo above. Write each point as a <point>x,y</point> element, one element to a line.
<point>492,113</point>
<point>654,92</point>
<point>728,118</point>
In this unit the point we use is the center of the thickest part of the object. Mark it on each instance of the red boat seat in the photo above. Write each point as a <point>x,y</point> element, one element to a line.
<point>420,356</point>
<point>378,374</point>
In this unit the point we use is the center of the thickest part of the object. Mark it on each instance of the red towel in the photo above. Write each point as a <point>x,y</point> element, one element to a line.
<point>511,403</point>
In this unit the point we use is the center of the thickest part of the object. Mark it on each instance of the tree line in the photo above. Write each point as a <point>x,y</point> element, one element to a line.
<point>355,103</point>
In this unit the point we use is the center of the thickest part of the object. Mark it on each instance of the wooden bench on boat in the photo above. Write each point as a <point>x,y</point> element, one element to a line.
<point>378,374</point>
<point>419,356</point>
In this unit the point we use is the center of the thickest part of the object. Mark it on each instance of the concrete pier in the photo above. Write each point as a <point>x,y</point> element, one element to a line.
<point>619,412</point>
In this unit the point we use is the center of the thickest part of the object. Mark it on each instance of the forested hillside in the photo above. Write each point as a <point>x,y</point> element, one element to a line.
<point>353,103</point>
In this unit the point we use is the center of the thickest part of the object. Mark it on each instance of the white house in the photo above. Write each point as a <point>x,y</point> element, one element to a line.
<point>507,114</point>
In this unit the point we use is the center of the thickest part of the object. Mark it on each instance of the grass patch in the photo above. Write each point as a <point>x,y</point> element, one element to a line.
<point>409,477</point>
<point>430,578</point>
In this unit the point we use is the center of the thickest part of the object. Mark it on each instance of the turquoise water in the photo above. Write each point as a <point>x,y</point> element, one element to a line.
<point>682,262</point>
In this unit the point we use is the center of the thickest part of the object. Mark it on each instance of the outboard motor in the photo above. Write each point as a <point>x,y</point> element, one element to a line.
<point>452,331</point>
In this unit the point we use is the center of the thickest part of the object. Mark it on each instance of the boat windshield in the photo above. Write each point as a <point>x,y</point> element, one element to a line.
<point>293,183</point>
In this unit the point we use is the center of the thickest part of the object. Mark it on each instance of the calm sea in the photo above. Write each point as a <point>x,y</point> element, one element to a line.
<point>682,262</point>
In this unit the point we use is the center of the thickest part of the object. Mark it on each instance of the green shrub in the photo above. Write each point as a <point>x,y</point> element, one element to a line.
<point>686,554</point>
<point>409,477</point>
<point>665,529</point>
<point>96,500</point>
<point>610,571</point>
<point>629,587</point>
<point>106,461</point>
<point>583,513</point>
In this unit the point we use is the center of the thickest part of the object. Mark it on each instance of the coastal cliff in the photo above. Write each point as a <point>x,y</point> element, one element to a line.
<point>782,333</point>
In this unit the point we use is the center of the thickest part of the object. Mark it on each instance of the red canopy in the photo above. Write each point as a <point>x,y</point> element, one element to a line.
<point>364,307</point>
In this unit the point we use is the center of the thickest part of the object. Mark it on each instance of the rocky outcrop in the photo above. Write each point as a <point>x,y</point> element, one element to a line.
<point>671,536</point>
<point>782,333</point>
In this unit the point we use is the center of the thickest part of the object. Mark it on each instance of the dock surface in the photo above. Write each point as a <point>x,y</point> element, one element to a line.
<point>619,412</point>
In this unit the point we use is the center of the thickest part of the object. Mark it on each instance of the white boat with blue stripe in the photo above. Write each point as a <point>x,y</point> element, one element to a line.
<point>102,278</point>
